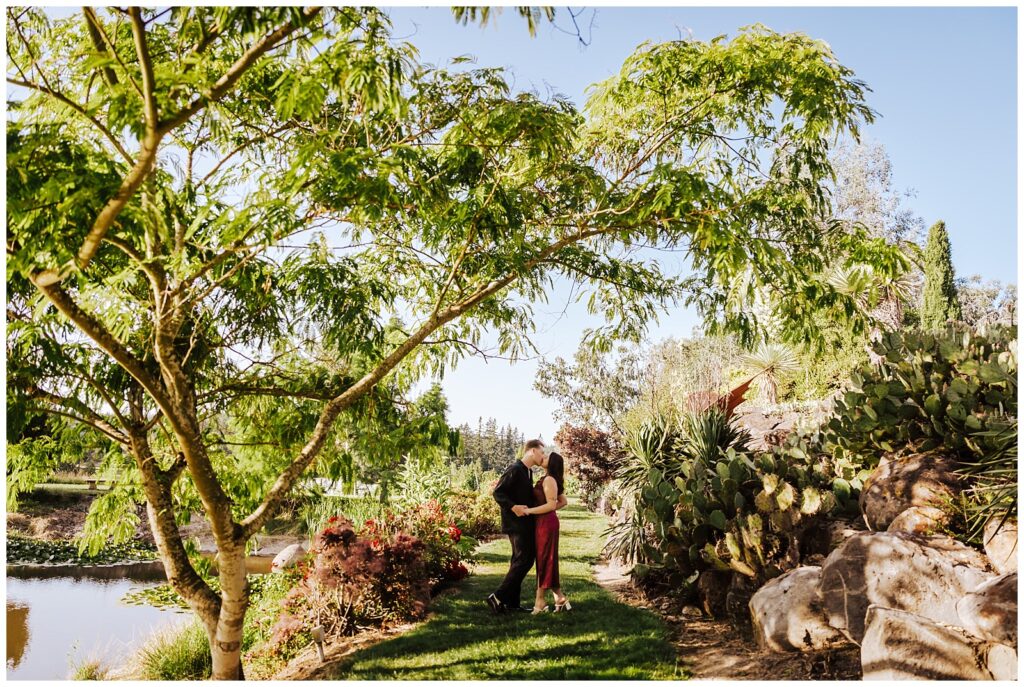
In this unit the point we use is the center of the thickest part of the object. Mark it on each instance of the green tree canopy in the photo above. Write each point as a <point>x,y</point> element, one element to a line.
<point>237,223</point>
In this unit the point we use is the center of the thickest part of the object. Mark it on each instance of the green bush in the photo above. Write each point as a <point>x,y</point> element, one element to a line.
<point>180,653</point>
<point>477,515</point>
<point>942,390</point>
<point>90,669</point>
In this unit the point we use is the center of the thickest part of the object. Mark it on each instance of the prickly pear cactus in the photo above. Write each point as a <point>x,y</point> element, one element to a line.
<point>929,390</point>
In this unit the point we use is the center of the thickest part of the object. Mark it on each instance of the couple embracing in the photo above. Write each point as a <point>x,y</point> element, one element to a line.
<point>528,518</point>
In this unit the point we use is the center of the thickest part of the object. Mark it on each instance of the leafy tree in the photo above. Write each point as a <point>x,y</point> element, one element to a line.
<point>864,192</point>
<point>986,302</point>
<point>239,223</point>
<point>596,389</point>
<point>940,304</point>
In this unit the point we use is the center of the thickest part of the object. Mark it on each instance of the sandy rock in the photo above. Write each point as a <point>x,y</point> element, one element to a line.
<point>287,558</point>
<point>787,614</point>
<point>903,646</point>
<point>901,483</point>
<point>990,611</point>
<point>1001,545</point>
<point>919,520</point>
<point>923,575</point>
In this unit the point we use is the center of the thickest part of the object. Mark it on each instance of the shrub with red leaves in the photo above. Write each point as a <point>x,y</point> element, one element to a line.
<point>354,580</point>
<point>445,546</point>
<point>591,456</point>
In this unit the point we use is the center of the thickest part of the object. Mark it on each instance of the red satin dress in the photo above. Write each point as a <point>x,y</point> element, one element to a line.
<point>547,542</point>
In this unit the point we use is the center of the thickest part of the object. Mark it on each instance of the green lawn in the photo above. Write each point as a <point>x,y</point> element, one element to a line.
<point>600,639</point>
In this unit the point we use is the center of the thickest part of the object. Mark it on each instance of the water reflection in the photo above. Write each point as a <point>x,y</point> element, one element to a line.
<point>64,614</point>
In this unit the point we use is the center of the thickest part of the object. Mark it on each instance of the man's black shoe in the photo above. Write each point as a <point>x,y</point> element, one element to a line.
<point>495,603</point>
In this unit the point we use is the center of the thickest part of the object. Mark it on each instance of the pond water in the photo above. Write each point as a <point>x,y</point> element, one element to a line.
<point>60,615</point>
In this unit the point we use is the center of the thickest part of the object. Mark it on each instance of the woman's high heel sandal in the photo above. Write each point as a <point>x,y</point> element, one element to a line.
<point>540,610</point>
<point>562,607</point>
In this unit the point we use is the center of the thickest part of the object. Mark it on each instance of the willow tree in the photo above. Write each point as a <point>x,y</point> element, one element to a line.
<point>217,214</point>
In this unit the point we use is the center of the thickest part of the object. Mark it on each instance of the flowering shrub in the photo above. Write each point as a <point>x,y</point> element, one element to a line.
<point>352,580</point>
<point>445,544</point>
<point>477,515</point>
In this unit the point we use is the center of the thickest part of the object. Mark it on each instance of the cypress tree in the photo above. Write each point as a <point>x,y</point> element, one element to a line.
<point>940,300</point>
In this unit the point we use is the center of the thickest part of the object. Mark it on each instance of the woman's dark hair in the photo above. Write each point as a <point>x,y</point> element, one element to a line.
<point>556,469</point>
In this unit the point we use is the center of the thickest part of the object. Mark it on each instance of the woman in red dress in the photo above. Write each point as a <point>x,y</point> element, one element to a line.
<point>549,493</point>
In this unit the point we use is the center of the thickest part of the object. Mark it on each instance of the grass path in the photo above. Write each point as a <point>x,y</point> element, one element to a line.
<point>600,639</point>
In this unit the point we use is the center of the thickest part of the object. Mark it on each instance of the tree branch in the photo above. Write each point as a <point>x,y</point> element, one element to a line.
<point>146,65</point>
<point>286,481</point>
<point>95,330</point>
<point>92,23</point>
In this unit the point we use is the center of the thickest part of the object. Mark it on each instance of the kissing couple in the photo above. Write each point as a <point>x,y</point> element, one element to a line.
<point>528,518</point>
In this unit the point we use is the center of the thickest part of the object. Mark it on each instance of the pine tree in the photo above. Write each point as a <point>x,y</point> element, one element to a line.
<point>940,301</point>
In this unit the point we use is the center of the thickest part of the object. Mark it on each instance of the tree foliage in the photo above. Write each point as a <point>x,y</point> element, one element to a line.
<point>238,235</point>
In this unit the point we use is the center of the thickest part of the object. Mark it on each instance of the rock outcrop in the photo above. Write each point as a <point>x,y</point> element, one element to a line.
<point>900,483</point>
<point>787,614</point>
<point>898,570</point>
<point>990,611</point>
<point>919,520</point>
<point>1001,544</point>
<point>898,645</point>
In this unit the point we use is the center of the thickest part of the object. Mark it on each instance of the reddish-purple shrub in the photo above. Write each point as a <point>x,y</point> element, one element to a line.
<point>445,548</point>
<point>591,457</point>
<point>352,580</point>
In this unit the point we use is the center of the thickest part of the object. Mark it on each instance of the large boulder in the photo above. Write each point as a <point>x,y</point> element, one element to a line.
<point>919,520</point>
<point>287,558</point>
<point>923,575</point>
<point>903,646</point>
<point>923,479</point>
<point>1001,544</point>
<point>787,614</point>
<point>990,611</point>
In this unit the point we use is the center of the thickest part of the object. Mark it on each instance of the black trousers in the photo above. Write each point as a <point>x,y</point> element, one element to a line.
<point>524,551</point>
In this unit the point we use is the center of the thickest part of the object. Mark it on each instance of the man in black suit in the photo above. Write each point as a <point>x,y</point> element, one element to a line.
<point>516,488</point>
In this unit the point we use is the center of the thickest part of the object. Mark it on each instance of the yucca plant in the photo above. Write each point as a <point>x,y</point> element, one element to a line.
<point>647,448</point>
<point>703,436</point>
<point>993,493</point>
<point>770,362</point>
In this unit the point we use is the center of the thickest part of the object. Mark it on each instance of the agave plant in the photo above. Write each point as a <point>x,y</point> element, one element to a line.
<point>769,363</point>
<point>993,494</point>
<point>647,448</point>
<point>629,540</point>
<point>704,436</point>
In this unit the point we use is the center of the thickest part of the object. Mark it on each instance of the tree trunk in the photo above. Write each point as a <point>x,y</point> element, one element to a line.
<point>226,643</point>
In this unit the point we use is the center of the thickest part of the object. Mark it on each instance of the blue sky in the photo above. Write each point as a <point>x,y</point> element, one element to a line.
<point>944,81</point>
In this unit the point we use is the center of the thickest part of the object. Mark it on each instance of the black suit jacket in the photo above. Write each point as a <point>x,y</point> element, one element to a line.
<point>514,488</point>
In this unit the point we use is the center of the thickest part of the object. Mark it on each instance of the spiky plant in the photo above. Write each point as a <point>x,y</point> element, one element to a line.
<point>704,436</point>
<point>993,493</point>
<point>769,363</point>
<point>647,447</point>
<point>877,295</point>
